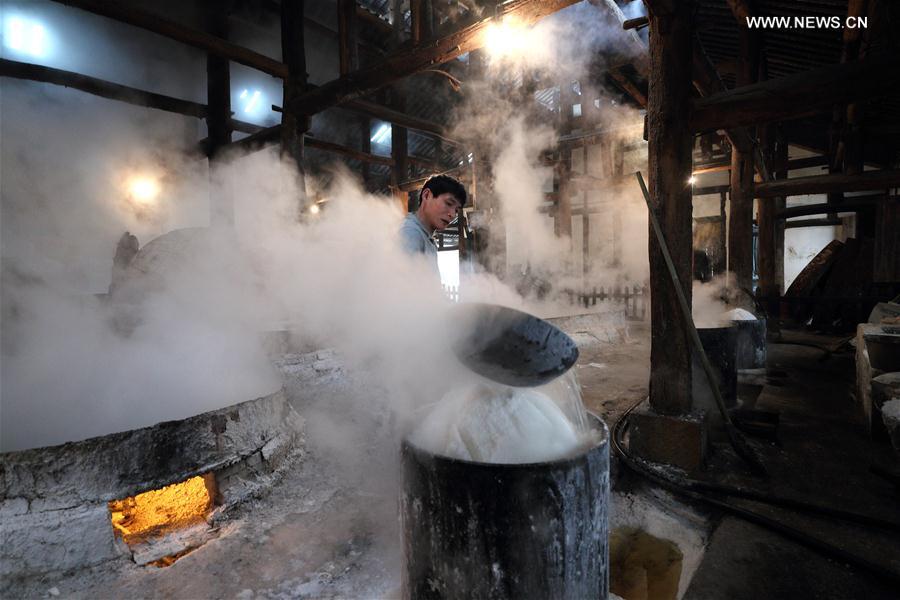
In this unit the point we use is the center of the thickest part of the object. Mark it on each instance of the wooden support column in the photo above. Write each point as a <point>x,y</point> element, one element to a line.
<point>293,123</point>
<point>417,21</point>
<point>781,172</point>
<point>740,224</point>
<point>562,223</point>
<point>218,121</point>
<point>585,228</point>
<point>766,221</point>
<point>365,130</point>
<point>347,42</point>
<point>669,153</point>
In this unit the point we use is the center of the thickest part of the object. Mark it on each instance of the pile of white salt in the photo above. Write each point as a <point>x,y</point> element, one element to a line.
<point>486,422</point>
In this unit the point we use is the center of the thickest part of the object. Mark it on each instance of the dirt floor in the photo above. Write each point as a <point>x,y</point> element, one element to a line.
<point>326,531</point>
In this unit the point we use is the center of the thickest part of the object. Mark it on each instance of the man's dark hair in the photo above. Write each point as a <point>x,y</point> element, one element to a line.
<point>444,184</point>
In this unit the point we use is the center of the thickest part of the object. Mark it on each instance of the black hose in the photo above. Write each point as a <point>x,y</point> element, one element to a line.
<point>684,488</point>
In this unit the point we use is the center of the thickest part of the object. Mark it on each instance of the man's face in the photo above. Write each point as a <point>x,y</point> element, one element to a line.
<point>438,211</point>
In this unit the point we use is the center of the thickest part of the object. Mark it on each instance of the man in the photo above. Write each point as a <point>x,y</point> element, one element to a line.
<point>442,196</point>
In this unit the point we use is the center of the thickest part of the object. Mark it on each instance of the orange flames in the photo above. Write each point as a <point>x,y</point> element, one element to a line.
<point>158,512</point>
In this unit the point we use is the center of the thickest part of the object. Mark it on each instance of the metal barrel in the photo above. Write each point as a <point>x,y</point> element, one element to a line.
<point>479,530</point>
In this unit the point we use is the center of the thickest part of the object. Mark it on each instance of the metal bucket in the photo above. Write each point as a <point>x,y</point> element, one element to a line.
<point>719,345</point>
<point>480,530</point>
<point>750,344</point>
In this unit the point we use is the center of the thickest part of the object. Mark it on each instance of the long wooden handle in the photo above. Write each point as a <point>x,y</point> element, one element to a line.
<point>682,301</point>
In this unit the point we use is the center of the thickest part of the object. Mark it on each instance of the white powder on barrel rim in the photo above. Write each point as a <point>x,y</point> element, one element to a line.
<point>497,424</point>
<point>739,314</point>
<point>891,409</point>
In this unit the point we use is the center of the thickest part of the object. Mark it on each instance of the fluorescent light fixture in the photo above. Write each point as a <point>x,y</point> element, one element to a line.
<point>254,100</point>
<point>25,36</point>
<point>382,135</point>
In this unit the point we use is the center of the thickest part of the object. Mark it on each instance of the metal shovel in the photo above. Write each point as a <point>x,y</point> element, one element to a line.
<point>512,347</point>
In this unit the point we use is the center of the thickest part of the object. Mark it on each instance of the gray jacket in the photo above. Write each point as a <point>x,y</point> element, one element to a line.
<point>415,239</point>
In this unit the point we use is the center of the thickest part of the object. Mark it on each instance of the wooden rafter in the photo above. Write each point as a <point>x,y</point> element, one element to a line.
<point>100,87</point>
<point>799,95</point>
<point>822,184</point>
<point>409,61</point>
<point>124,13</point>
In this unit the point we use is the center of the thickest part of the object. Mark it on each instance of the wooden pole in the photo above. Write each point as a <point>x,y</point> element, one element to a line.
<point>794,96</point>
<point>218,121</point>
<point>99,87</point>
<point>766,222</point>
<point>740,223</point>
<point>293,124</point>
<point>347,44</point>
<point>124,13</point>
<point>585,230</point>
<point>782,166</point>
<point>365,126</point>
<point>669,161</point>
<point>409,61</point>
<point>823,184</point>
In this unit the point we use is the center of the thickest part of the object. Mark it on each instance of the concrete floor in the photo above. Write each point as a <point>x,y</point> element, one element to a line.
<point>329,528</point>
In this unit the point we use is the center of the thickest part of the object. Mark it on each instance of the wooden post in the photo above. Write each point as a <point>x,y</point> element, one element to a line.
<point>399,146</point>
<point>740,226</point>
<point>585,229</point>
<point>669,154</point>
<point>347,45</point>
<point>766,222</point>
<point>365,126</point>
<point>218,120</point>
<point>293,124</point>
<point>781,172</point>
<point>562,223</point>
<point>417,21</point>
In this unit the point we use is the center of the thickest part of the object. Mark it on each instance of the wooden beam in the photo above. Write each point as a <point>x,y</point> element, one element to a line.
<point>125,13</point>
<point>669,166</point>
<point>408,61</point>
<point>269,135</point>
<point>630,88</point>
<point>364,157</point>
<point>854,204</point>
<point>797,95</point>
<point>99,87</point>
<point>807,162</point>
<point>401,119</point>
<point>812,223</point>
<point>635,23</point>
<point>838,182</point>
<point>712,169</point>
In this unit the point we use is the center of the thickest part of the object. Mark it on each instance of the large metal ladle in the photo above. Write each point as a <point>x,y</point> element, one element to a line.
<point>510,346</point>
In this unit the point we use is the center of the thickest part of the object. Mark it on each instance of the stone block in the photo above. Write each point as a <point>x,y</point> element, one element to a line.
<point>680,441</point>
<point>64,539</point>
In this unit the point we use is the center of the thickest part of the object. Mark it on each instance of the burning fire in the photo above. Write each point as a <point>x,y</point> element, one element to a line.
<point>158,512</point>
